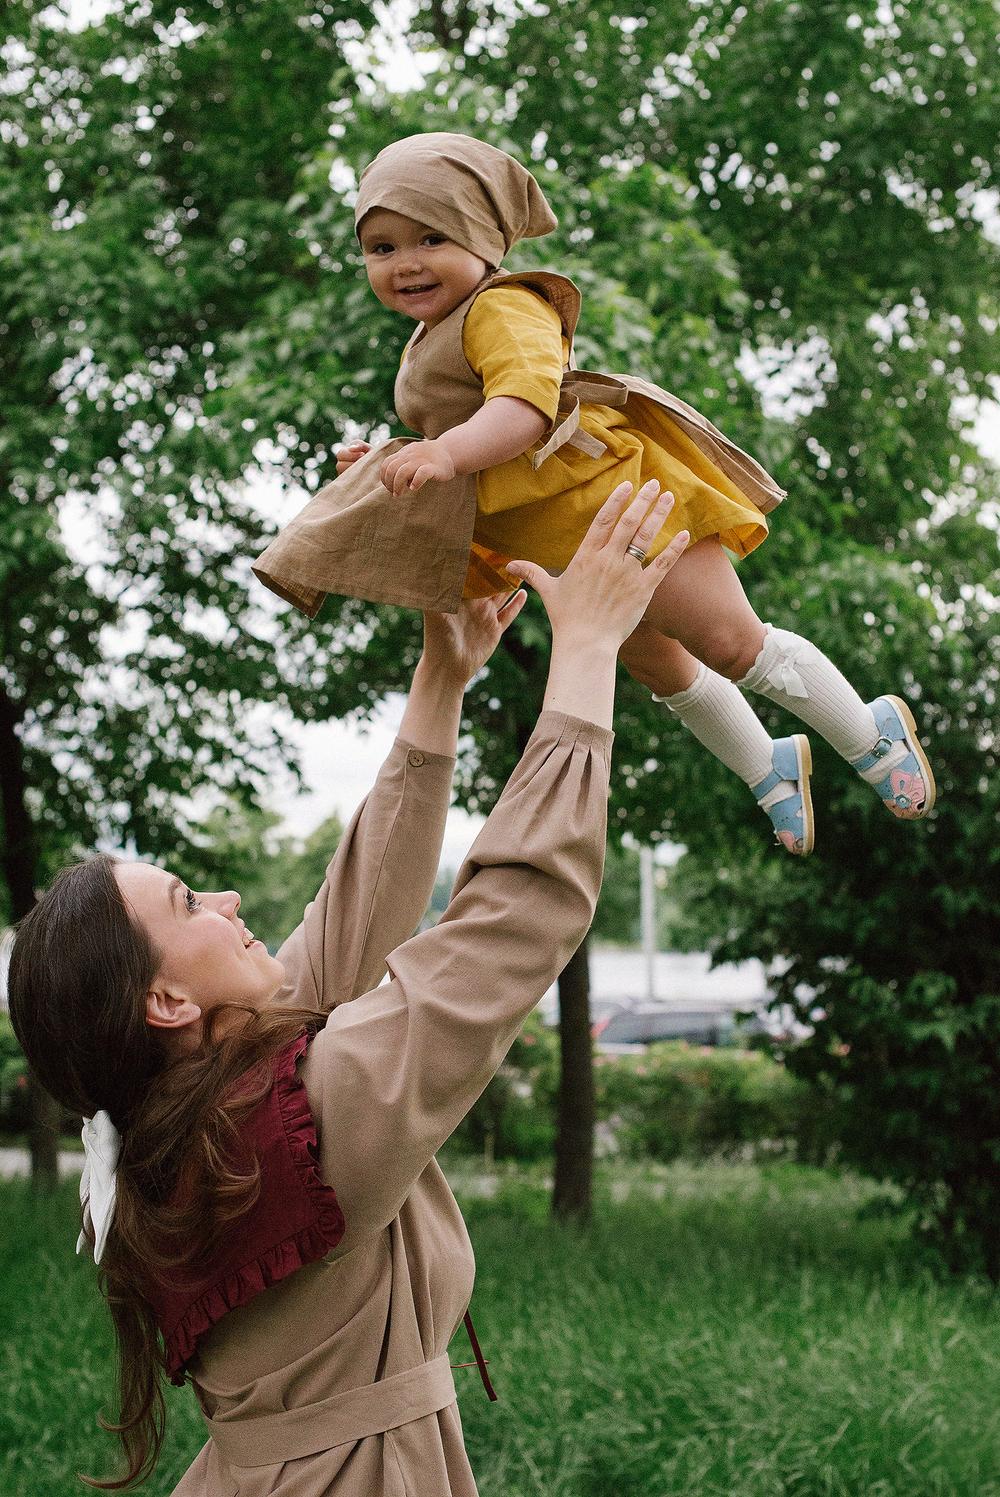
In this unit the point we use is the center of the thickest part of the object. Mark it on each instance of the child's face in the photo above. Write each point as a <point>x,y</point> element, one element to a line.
<point>414,269</point>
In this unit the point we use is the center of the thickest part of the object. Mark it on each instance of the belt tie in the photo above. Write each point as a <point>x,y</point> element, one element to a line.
<point>580,386</point>
<point>355,1414</point>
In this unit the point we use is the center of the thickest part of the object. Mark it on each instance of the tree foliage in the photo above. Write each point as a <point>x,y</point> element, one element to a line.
<point>841,162</point>
<point>145,169</point>
<point>765,197</point>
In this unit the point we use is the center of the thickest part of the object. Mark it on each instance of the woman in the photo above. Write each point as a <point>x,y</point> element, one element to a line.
<point>135,997</point>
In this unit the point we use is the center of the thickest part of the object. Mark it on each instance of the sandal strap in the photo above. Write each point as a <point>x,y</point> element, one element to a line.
<point>776,795</point>
<point>874,766</point>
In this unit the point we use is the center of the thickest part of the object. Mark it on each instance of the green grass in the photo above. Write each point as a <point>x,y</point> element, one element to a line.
<point>743,1335</point>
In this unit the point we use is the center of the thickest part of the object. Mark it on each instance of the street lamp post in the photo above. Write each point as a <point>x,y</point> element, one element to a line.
<point>647,907</point>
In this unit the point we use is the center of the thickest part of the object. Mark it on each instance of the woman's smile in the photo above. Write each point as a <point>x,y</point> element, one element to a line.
<point>202,941</point>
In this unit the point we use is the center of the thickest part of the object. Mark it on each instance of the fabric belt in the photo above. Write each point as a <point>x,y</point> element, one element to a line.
<point>578,387</point>
<point>353,1415</point>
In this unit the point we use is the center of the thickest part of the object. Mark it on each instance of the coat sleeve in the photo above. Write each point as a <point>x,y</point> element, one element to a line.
<point>377,886</point>
<point>392,1074</point>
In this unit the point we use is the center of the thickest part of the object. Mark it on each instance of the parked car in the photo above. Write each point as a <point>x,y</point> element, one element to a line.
<point>643,1024</point>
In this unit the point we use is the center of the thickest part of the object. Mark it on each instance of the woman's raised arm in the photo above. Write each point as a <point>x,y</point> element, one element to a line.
<point>392,1075</point>
<point>380,879</point>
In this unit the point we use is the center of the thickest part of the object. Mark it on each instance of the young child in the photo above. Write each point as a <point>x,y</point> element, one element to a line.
<point>518,451</point>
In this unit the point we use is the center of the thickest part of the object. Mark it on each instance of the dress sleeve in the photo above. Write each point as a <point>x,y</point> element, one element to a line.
<point>377,886</point>
<point>512,339</point>
<point>392,1074</point>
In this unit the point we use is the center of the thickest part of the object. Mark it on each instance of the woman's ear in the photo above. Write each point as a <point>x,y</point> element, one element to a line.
<point>163,1011</point>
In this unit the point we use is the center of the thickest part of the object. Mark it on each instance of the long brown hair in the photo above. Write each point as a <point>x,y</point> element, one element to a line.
<point>80,969</point>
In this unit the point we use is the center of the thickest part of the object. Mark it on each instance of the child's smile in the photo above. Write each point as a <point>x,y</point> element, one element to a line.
<point>415,270</point>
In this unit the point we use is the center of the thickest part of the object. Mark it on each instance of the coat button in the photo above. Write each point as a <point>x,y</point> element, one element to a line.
<point>415,757</point>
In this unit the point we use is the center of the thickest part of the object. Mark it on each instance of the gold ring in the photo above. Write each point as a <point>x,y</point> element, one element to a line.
<point>636,552</point>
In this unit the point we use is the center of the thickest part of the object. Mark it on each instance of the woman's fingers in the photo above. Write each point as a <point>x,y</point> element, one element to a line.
<point>650,527</point>
<point>603,523</point>
<point>508,611</point>
<point>535,576</point>
<point>670,555</point>
<point>633,515</point>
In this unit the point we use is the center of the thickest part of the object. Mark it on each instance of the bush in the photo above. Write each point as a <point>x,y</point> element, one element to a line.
<point>671,1101</point>
<point>515,1116</point>
<point>14,1115</point>
<point>684,1101</point>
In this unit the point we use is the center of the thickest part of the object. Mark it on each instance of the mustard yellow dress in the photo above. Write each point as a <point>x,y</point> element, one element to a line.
<point>514,342</point>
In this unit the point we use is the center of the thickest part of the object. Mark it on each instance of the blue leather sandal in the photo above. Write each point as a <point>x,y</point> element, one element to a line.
<point>791,815</point>
<point>897,766</point>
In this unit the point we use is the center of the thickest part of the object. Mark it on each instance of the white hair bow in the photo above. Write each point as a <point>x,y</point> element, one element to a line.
<point>101,1146</point>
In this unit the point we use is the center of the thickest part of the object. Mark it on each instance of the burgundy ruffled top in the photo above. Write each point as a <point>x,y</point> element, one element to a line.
<point>295,1220</point>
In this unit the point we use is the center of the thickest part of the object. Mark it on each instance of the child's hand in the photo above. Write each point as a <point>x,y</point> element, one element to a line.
<point>347,455</point>
<point>414,465</point>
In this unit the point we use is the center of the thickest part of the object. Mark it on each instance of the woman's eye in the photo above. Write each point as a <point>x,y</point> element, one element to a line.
<point>191,902</point>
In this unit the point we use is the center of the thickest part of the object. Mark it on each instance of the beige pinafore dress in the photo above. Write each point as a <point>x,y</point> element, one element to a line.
<point>419,549</point>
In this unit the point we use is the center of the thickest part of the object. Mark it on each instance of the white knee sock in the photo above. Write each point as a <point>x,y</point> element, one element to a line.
<point>721,718</point>
<point>792,672</point>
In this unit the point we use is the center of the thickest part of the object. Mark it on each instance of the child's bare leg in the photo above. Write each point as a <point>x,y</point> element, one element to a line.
<point>707,610</point>
<point>657,661</point>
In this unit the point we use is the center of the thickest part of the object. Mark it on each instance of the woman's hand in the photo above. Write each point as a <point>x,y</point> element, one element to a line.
<point>412,467</point>
<point>601,596</point>
<point>459,644</point>
<point>605,590</point>
<point>456,646</point>
<point>347,455</point>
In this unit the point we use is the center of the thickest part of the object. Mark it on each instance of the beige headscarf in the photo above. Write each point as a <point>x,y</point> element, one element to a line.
<point>475,194</point>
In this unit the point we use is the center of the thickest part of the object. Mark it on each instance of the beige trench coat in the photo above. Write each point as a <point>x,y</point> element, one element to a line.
<point>336,1383</point>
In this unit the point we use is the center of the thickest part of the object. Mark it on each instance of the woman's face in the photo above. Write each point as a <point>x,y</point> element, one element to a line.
<point>207,956</point>
<point>416,270</point>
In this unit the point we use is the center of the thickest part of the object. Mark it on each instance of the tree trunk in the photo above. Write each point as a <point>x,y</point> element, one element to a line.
<point>18,858</point>
<point>572,1191</point>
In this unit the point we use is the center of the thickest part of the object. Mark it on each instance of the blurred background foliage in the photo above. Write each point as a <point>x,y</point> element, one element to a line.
<point>786,214</point>
<point>669,1101</point>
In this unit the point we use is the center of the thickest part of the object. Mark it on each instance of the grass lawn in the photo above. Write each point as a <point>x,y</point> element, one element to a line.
<point>722,1331</point>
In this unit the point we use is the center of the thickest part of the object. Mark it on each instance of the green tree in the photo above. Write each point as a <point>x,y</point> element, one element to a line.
<point>839,159</point>
<point>145,168</point>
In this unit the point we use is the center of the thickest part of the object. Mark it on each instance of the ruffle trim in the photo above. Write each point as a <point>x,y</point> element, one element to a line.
<point>306,1246</point>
